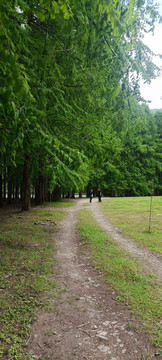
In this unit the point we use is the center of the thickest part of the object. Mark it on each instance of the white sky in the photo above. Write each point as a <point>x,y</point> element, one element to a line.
<point>153,91</point>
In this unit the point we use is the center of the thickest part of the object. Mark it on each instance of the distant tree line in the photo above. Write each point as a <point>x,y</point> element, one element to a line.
<point>71,114</point>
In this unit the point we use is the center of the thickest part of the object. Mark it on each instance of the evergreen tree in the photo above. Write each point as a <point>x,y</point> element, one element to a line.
<point>69,74</point>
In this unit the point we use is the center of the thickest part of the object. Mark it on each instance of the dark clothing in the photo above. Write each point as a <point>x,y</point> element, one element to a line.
<point>99,195</point>
<point>91,196</point>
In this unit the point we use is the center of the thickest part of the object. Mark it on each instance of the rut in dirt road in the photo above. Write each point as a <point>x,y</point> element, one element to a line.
<point>151,262</point>
<point>86,322</point>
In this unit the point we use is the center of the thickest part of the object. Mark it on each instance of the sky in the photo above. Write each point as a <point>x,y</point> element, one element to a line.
<point>153,92</point>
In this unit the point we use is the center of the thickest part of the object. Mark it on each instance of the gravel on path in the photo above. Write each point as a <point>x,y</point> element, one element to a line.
<point>85,321</point>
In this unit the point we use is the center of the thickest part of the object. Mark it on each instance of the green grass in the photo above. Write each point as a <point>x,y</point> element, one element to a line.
<point>136,289</point>
<point>131,215</point>
<point>27,262</point>
<point>45,214</point>
<point>62,203</point>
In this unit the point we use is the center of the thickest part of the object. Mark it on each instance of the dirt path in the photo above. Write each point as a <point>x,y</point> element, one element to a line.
<point>85,322</point>
<point>152,263</point>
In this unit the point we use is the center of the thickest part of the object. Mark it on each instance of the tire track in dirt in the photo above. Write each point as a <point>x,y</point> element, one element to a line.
<point>151,263</point>
<point>85,322</point>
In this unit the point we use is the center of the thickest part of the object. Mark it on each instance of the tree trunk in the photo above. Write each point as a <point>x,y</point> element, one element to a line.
<point>40,189</point>
<point>4,185</point>
<point>26,185</point>
<point>1,199</point>
<point>17,192</point>
<point>9,185</point>
<point>13,190</point>
<point>49,196</point>
<point>56,195</point>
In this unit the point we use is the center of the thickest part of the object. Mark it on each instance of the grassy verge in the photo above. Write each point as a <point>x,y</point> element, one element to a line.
<point>59,204</point>
<point>136,289</point>
<point>27,262</point>
<point>131,215</point>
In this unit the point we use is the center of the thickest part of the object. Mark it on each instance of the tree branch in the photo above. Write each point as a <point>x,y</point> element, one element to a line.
<point>107,42</point>
<point>63,50</point>
<point>75,86</point>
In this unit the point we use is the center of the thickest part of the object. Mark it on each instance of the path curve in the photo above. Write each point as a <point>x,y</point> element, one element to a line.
<point>150,261</point>
<point>85,321</point>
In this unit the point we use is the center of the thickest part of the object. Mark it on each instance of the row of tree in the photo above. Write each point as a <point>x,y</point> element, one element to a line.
<point>69,99</point>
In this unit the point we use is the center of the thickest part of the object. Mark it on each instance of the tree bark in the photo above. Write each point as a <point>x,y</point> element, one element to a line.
<point>49,196</point>
<point>1,199</point>
<point>4,185</point>
<point>9,185</point>
<point>26,204</point>
<point>40,189</point>
<point>17,192</point>
<point>56,195</point>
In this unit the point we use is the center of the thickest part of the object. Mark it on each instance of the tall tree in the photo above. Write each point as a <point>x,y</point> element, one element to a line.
<point>68,71</point>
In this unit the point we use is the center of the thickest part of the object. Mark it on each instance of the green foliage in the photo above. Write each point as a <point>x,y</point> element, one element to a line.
<point>69,74</point>
<point>131,155</point>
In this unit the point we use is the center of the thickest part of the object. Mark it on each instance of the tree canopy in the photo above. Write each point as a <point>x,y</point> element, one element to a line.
<point>69,98</point>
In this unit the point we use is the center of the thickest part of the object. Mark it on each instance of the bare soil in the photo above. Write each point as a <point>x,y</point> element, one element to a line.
<point>85,321</point>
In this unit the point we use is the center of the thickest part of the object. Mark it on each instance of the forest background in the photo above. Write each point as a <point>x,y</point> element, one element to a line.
<point>71,113</point>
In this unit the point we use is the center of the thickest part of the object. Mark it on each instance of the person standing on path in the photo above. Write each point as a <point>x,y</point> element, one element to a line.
<point>99,195</point>
<point>91,196</point>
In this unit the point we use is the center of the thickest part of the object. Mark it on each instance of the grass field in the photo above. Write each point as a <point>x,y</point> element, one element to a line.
<point>64,203</point>
<point>131,215</point>
<point>27,262</point>
<point>136,289</point>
